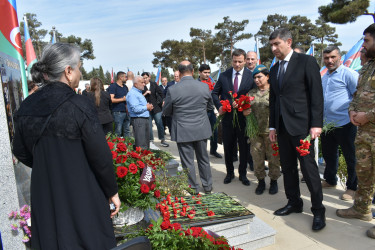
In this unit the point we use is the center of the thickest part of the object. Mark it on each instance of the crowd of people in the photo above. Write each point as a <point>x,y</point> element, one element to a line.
<point>291,101</point>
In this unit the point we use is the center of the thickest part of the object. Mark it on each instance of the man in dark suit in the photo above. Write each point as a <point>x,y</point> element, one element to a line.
<point>239,80</point>
<point>296,111</point>
<point>154,96</point>
<point>187,103</point>
<point>164,87</point>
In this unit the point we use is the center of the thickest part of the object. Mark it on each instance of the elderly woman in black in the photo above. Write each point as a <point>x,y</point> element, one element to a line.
<point>59,135</point>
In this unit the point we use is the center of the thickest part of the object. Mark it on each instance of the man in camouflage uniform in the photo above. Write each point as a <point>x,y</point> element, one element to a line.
<point>362,114</point>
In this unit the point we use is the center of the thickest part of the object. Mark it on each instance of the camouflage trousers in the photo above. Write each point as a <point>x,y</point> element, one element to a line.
<point>261,150</point>
<point>365,168</point>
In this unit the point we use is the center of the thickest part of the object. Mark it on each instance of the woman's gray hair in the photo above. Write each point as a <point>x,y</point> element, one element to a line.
<point>55,58</point>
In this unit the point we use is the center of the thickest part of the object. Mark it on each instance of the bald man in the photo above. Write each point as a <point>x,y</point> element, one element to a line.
<point>251,60</point>
<point>187,102</point>
<point>130,81</point>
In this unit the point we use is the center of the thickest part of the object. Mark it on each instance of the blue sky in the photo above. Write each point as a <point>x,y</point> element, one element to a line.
<point>126,33</point>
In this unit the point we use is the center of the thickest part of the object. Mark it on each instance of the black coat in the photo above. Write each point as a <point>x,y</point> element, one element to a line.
<point>104,109</point>
<point>224,85</point>
<point>300,99</point>
<point>155,98</point>
<point>72,175</point>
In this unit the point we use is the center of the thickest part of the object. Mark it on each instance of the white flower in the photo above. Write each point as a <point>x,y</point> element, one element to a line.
<point>179,168</point>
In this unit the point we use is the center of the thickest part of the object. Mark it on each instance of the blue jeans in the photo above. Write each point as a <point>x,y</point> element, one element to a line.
<point>213,139</point>
<point>159,125</point>
<point>122,123</point>
<point>344,137</point>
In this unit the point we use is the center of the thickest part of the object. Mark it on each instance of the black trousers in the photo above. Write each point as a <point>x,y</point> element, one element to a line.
<point>344,137</point>
<point>230,137</point>
<point>309,168</point>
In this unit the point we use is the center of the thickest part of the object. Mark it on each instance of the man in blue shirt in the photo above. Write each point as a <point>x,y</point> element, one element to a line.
<point>118,91</point>
<point>339,85</point>
<point>139,112</point>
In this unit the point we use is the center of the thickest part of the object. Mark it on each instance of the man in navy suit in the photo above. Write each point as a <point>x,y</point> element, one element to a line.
<point>296,111</point>
<point>239,80</point>
<point>176,79</point>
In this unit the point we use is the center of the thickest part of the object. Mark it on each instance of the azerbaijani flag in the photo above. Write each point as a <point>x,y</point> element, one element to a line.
<point>273,62</point>
<point>53,37</point>
<point>323,71</point>
<point>158,76</point>
<point>10,37</point>
<point>256,49</point>
<point>352,58</point>
<point>310,51</point>
<point>30,53</point>
<point>112,76</point>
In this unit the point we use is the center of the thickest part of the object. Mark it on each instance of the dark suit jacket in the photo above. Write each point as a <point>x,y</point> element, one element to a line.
<point>300,99</point>
<point>163,90</point>
<point>224,85</point>
<point>155,98</point>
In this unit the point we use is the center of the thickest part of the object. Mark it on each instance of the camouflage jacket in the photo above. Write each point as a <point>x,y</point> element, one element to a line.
<point>364,98</point>
<point>260,108</point>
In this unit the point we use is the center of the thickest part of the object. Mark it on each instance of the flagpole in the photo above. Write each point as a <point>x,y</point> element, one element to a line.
<point>53,35</point>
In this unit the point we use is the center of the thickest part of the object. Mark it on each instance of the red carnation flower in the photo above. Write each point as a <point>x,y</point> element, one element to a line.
<point>133,168</point>
<point>121,147</point>
<point>114,154</point>
<point>138,149</point>
<point>165,225</point>
<point>141,164</point>
<point>145,189</point>
<point>157,193</point>
<point>111,145</point>
<point>134,155</point>
<point>210,213</point>
<point>176,226</point>
<point>122,172</point>
<point>153,186</point>
<point>121,159</point>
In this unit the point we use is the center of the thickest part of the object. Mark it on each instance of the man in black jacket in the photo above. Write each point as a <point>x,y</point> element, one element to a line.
<point>296,111</point>
<point>154,96</point>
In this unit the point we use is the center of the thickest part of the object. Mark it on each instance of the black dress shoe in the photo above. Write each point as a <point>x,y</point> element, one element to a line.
<point>216,154</point>
<point>244,180</point>
<point>288,209</point>
<point>228,178</point>
<point>319,222</point>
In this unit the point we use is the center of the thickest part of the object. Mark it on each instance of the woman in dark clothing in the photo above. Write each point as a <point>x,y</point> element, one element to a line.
<point>102,101</point>
<point>59,135</point>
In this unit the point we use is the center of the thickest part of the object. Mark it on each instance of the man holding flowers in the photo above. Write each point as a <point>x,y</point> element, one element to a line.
<point>235,81</point>
<point>296,110</point>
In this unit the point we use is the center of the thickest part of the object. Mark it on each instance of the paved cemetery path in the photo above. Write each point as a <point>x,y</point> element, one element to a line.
<point>293,231</point>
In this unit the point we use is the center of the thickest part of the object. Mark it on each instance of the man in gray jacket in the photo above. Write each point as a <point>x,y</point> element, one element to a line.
<point>187,102</point>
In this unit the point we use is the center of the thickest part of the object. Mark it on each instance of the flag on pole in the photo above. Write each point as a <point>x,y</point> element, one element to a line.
<point>53,36</point>
<point>30,53</point>
<point>352,58</point>
<point>256,49</point>
<point>10,37</point>
<point>273,62</point>
<point>112,76</point>
<point>310,51</point>
<point>158,76</point>
<point>128,69</point>
<point>323,71</point>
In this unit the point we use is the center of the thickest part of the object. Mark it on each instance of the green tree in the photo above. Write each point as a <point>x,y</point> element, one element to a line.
<point>324,33</point>
<point>231,30</point>
<point>87,49</point>
<point>101,73</point>
<point>302,31</point>
<point>204,41</point>
<point>36,34</point>
<point>344,11</point>
<point>84,75</point>
<point>272,23</point>
<point>107,78</point>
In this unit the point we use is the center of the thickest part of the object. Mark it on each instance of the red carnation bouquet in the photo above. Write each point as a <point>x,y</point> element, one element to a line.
<point>227,108</point>
<point>275,148</point>
<point>244,102</point>
<point>303,150</point>
<point>134,173</point>
<point>210,84</point>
